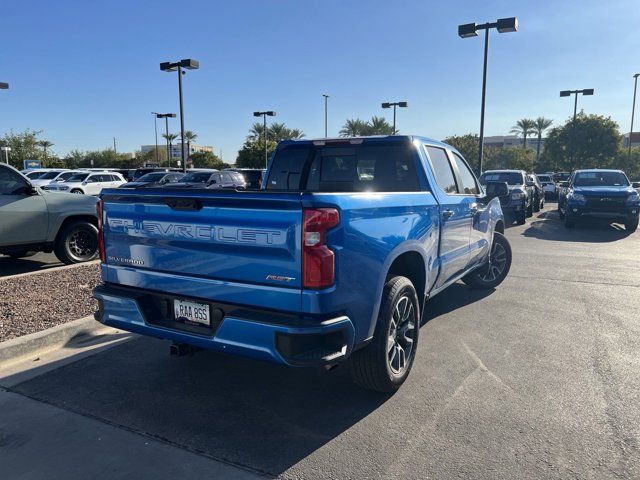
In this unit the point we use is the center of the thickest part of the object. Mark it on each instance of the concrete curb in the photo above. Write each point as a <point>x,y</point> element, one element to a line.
<point>19,348</point>
<point>49,270</point>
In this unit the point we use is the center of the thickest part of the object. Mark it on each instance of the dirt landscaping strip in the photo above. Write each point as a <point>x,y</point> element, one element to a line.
<point>32,303</point>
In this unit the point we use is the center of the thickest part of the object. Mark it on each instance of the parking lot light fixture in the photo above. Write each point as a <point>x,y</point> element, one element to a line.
<point>467,30</point>
<point>633,110</point>
<point>394,105</point>
<point>166,117</point>
<point>4,86</point>
<point>326,98</point>
<point>264,115</point>
<point>189,64</point>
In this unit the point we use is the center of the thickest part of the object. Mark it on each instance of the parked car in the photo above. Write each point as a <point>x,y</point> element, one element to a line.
<point>209,178</point>
<point>154,179</point>
<point>519,201</point>
<point>561,176</point>
<point>315,269</point>
<point>138,172</point>
<point>87,183</point>
<point>538,192</point>
<point>600,193</point>
<point>52,176</point>
<point>34,173</point>
<point>252,176</point>
<point>549,186</point>
<point>32,220</point>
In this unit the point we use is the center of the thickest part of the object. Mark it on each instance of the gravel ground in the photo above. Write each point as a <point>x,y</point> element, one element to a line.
<point>36,302</point>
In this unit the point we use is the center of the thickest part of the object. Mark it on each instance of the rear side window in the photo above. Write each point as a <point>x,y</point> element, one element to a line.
<point>362,168</point>
<point>442,169</point>
<point>469,184</point>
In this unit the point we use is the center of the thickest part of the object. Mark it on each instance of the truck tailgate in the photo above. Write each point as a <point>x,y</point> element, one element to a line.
<point>244,237</point>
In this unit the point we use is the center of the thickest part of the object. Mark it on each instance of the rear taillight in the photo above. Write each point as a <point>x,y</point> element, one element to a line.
<point>99,212</point>
<point>317,258</point>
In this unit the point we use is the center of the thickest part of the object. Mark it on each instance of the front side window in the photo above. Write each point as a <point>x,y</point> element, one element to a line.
<point>469,184</point>
<point>442,169</point>
<point>78,177</point>
<point>11,183</point>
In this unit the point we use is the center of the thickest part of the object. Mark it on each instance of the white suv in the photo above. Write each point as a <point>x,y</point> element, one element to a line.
<point>52,176</point>
<point>88,183</point>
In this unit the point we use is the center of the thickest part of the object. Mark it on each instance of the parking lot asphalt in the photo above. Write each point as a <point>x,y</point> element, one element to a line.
<point>537,379</point>
<point>39,261</point>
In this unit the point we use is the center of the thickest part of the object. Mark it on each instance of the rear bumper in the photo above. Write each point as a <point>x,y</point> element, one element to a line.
<point>262,335</point>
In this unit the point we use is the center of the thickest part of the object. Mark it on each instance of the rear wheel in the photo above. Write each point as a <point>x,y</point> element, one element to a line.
<point>631,226</point>
<point>495,271</point>
<point>385,363</point>
<point>78,191</point>
<point>77,242</point>
<point>560,212</point>
<point>521,217</point>
<point>536,204</point>
<point>529,209</point>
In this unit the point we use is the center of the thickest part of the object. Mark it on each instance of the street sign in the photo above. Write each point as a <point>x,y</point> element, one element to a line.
<point>31,164</point>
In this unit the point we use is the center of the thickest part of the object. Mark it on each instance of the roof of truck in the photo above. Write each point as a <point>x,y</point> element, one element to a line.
<point>357,140</point>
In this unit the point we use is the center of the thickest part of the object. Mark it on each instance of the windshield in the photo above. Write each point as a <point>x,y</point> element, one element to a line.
<point>78,177</point>
<point>512,178</point>
<point>49,176</point>
<point>195,177</point>
<point>544,178</point>
<point>151,177</point>
<point>596,179</point>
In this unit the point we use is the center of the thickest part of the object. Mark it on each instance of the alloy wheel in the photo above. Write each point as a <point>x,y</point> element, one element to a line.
<point>401,336</point>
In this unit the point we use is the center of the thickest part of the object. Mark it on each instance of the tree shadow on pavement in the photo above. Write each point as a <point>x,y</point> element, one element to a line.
<point>548,226</point>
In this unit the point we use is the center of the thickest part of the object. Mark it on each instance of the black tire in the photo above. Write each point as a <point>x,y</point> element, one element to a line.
<point>631,226</point>
<point>77,191</point>
<point>373,367</point>
<point>77,242</point>
<point>529,209</point>
<point>569,222</point>
<point>536,204</point>
<point>542,204</point>
<point>560,212</point>
<point>521,217</point>
<point>497,268</point>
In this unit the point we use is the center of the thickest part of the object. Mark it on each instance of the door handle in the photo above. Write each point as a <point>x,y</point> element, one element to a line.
<point>446,214</point>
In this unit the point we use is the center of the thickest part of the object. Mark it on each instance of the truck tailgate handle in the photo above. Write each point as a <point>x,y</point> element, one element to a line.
<point>183,203</point>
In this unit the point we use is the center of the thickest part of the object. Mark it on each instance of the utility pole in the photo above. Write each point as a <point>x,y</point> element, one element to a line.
<point>114,145</point>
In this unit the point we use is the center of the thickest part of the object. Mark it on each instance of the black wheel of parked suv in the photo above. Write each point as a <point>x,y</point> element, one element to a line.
<point>536,204</point>
<point>631,226</point>
<point>495,271</point>
<point>529,209</point>
<point>77,242</point>
<point>560,212</point>
<point>385,363</point>
<point>521,217</point>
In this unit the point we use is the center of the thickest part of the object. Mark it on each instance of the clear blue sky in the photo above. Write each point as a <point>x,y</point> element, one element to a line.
<point>84,72</point>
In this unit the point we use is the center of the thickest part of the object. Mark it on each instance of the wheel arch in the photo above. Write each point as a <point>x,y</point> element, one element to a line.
<point>75,218</point>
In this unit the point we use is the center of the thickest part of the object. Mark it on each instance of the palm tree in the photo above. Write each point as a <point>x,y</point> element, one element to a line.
<point>540,125</point>
<point>45,144</point>
<point>256,132</point>
<point>170,137</point>
<point>354,128</point>
<point>279,131</point>
<point>379,126</point>
<point>524,127</point>
<point>189,137</point>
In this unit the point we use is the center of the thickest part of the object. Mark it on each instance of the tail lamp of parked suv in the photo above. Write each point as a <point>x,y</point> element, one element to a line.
<point>317,259</point>
<point>99,212</point>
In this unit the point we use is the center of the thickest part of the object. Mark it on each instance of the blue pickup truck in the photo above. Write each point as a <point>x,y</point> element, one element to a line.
<point>599,193</point>
<point>332,260</point>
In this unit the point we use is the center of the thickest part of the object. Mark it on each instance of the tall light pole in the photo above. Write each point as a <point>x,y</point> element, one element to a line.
<point>503,25</point>
<point>155,126</point>
<point>633,110</point>
<point>568,93</point>
<point>394,105</point>
<point>264,115</point>
<point>326,98</point>
<point>189,64</point>
<point>166,117</point>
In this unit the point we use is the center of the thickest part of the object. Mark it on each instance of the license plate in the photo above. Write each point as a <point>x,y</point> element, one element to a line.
<point>192,313</point>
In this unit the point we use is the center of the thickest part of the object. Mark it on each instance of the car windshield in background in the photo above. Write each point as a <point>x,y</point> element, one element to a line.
<point>35,175</point>
<point>512,178</point>
<point>596,179</point>
<point>195,177</point>
<point>544,178</point>
<point>78,177</point>
<point>49,176</point>
<point>151,177</point>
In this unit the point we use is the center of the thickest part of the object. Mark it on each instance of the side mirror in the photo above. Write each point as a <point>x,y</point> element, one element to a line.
<point>496,189</point>
<point>635,184</point>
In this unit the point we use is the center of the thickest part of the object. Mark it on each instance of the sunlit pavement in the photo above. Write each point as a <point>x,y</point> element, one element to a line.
<point>537,379</point>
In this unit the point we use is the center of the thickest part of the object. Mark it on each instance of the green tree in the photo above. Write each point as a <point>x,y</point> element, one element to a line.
<point>524,128</point>
<point>467,145</point>
<point>508,158</point>
<point>251,155</point>
<point>540,126</point>
<point>45,144</point>
<point>24,146</point>
<point>379,126</point>
<point>207,160</point>
<point>355,127</point>
<point>279,131</point>
<point>189,137</point>
<point>593,141</point>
